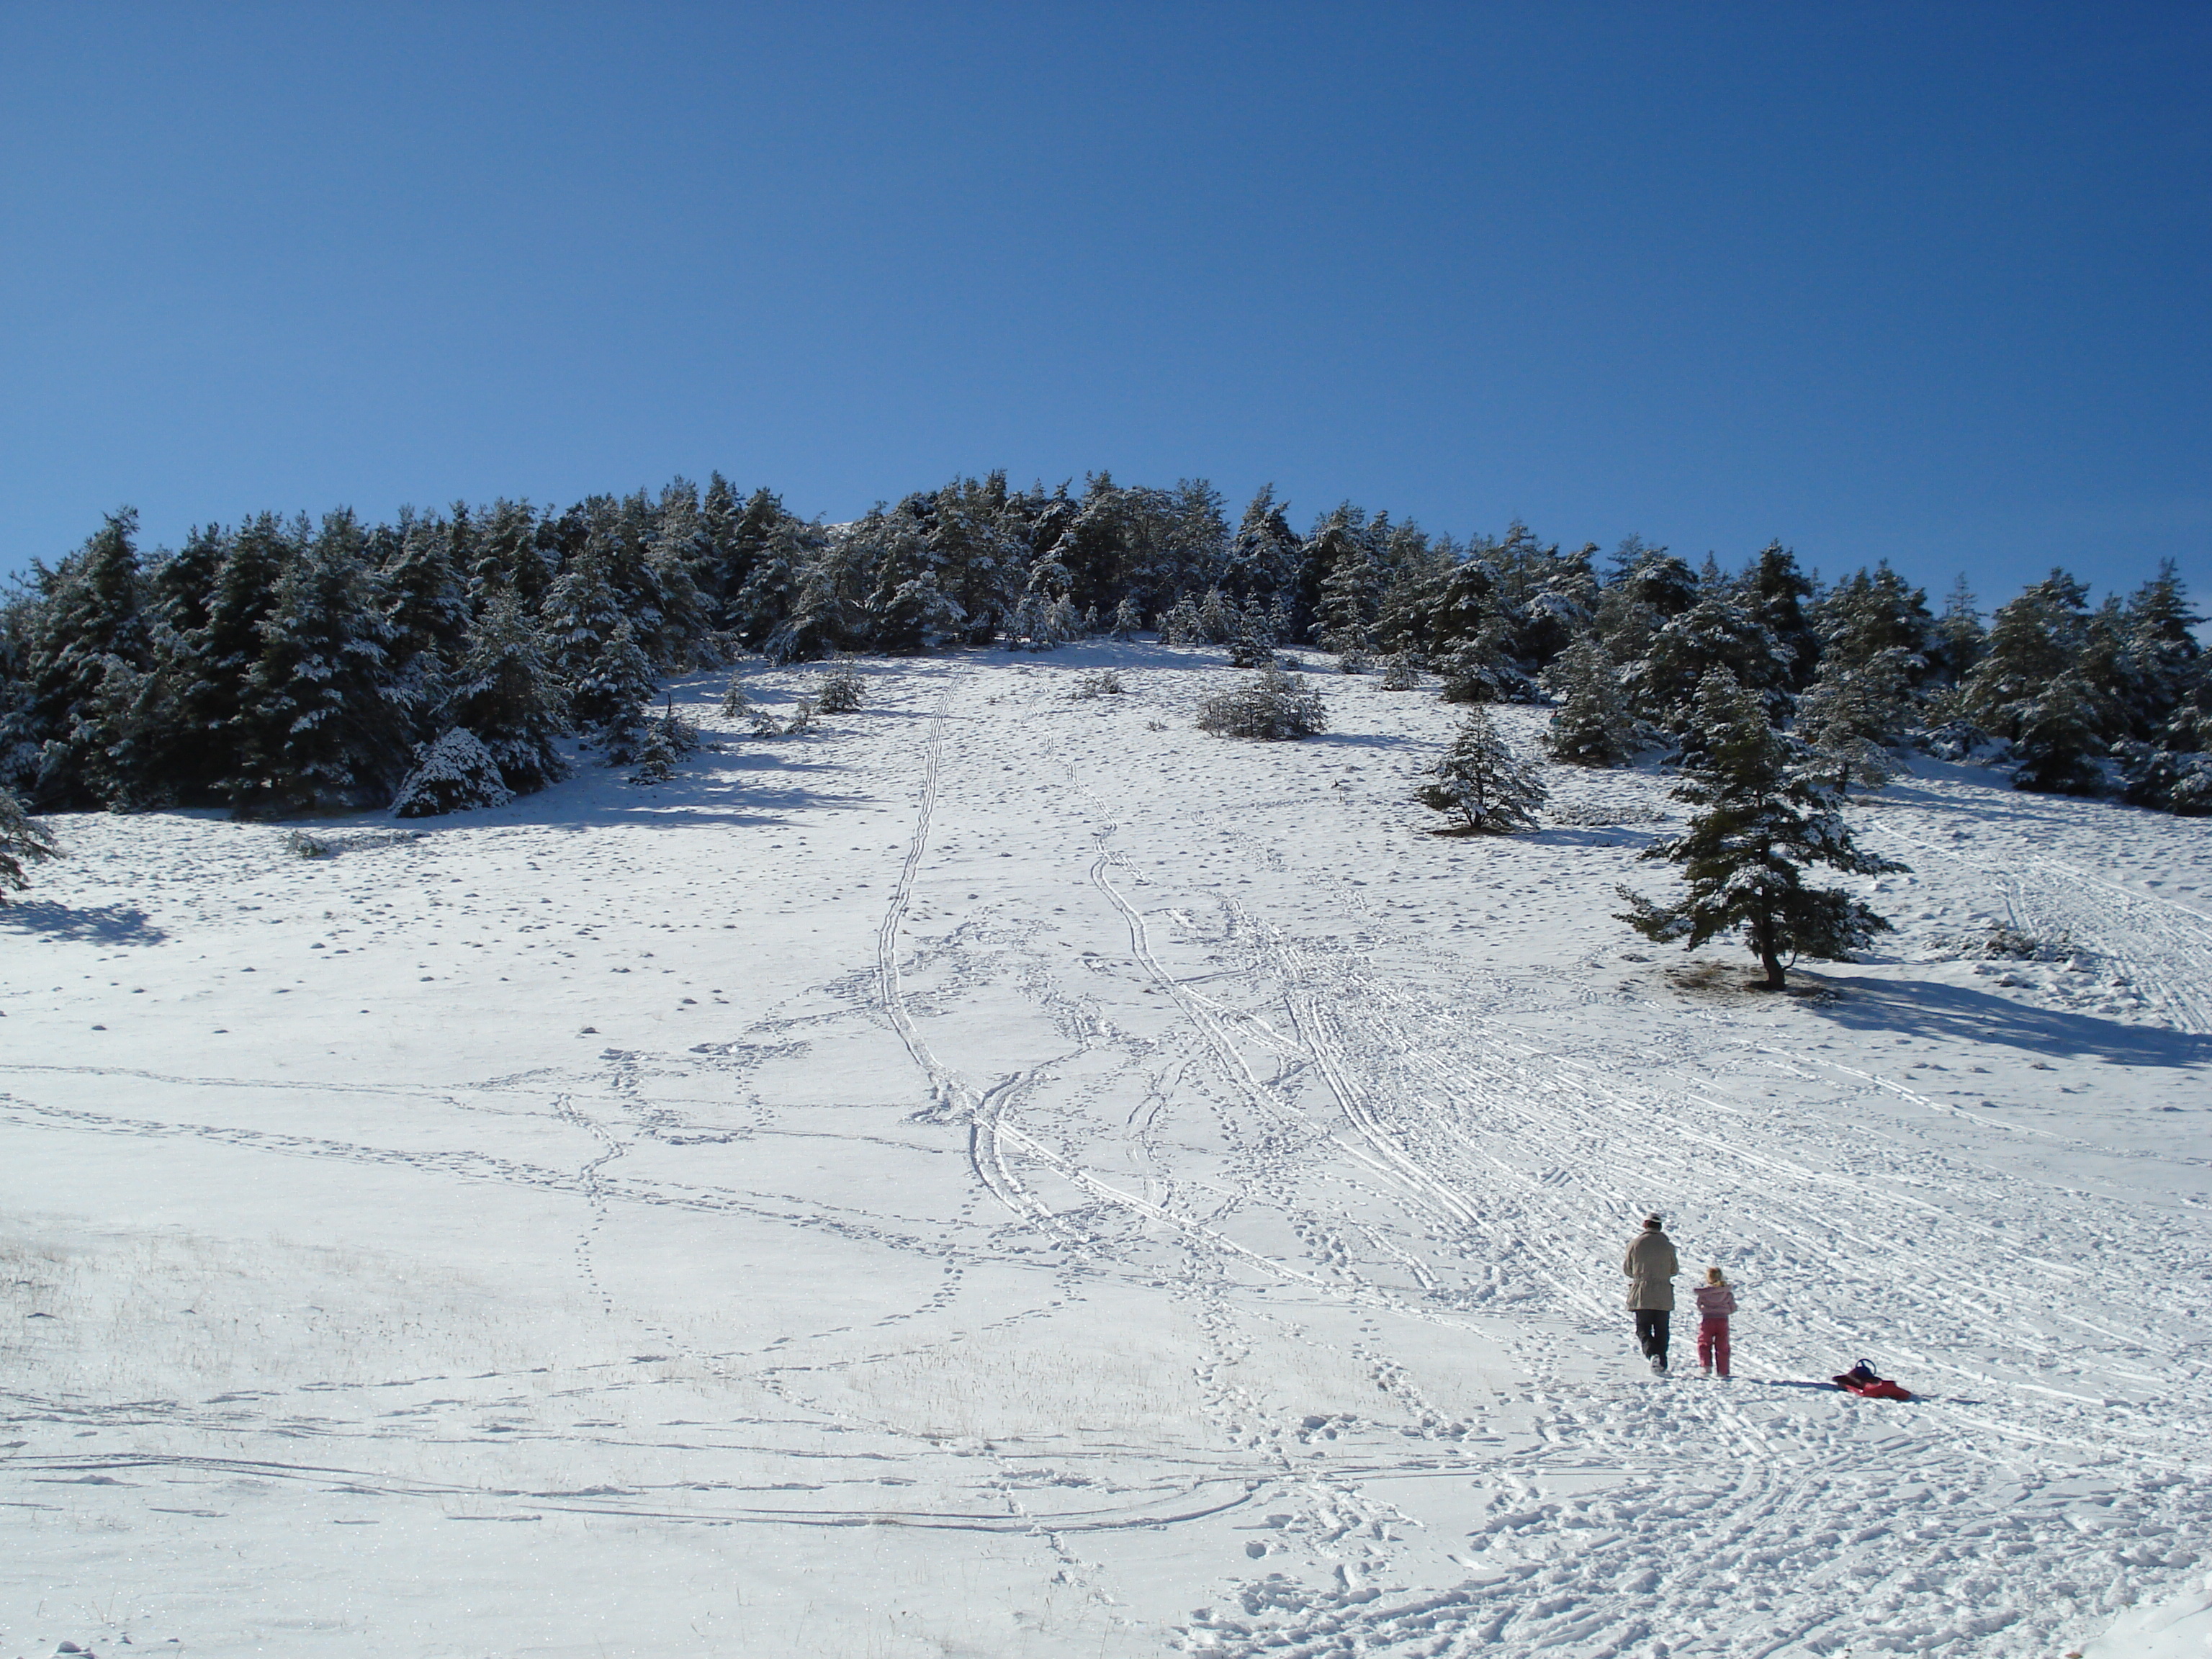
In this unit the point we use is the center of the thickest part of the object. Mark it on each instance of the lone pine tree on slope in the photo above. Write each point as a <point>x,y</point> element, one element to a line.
<point>1480,778</point>
<point>1763,821</point>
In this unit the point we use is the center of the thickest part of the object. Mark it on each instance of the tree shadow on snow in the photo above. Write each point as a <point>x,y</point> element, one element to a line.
<point>105,924</point>
<point>1958,1012</point>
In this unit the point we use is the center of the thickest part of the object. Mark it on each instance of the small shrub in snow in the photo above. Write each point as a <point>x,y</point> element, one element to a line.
<point>455,773</point>
<point>1480,778</point>
<point>1271,706</point>
<point>1400,672</point>
<point>735,703</point>
<point>21,842</point>
<point>1103,683</point>
<point>1354,662</point>
<point>842,690</point>
<point>765,725</point>
<point>2018,945</point>
<point>668,738</point>
<point>300,844</point>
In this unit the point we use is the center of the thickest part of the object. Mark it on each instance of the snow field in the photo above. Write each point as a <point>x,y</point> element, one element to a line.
<point>1011,1174</point>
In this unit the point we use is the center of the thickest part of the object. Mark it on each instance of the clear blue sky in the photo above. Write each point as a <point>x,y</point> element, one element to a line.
<point>1926,281</point>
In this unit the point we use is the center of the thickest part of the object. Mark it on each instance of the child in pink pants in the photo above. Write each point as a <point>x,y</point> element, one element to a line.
<point>1716,1302</point>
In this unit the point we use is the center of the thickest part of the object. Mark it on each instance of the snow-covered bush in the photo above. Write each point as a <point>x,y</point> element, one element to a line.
<point>668,738</point>
<point>1401,672</point>
<point>1270,706</point>
<point>1353,661</point>
<point>454,774</point>
<point>1103,683</point>
<point>2019,945</point>
<point>842,690</point>
<point>301,845</point>
<point>21,842</point>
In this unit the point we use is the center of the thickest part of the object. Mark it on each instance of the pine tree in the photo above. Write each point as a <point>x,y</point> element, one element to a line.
<point>507,692</point>
<point>1853,715</point>
<point>22,841</point>
<point>1762,822</point>
<point>1593,727</point>
<point>909,610</point>
<point>2056,739</point>
<point>828,613</point>
<point>1265,554</point>
<point>321,723</point>
<point>2032,640</point>
<point>1126,620</point>
<point>613,691</point>
<point>88,633</point>
<point>1349,591</point>
<point>1480,778</point>
<point>762,606</point>
<point>1715,633</point>
<point>1960,637</point>
<point>1776,592</point>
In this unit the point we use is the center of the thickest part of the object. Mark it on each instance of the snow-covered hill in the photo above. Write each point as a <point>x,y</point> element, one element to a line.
<point>1009,1175</point>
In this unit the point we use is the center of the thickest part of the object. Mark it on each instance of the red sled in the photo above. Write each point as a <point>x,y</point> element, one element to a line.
<point>1860,1380</point>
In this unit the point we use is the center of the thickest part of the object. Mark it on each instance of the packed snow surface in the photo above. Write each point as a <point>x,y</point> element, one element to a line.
<point>1005,1173</point>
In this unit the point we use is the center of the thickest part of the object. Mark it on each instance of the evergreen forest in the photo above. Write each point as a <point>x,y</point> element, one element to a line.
<point>281,666</point>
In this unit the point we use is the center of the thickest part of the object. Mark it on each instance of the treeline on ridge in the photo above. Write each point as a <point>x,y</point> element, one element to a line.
<point>283,666</point>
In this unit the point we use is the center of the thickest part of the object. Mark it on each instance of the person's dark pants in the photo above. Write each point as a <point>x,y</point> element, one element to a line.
<point>1652,1332</point>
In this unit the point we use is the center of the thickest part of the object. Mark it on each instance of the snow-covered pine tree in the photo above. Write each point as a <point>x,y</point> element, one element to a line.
<point>1718,632</point>
<point>1854,715</point>
<point>2033,639</point>
<point>909,610</point>
<point>1762,822</point>
<point>1592,725</point>
<point>1062,623</point>
<point>319,719</point>
<point>1181,625</point>
<point>787,549</point>
<point>1777,593</point>
<point>505,692</point>
<point>22,841</point>
<point>1126,620</point>
<point>1264,554</point>
<point>1480,778</point>
<point>1960,637</point>
<point>1346,578</point>
<point>1252,637</point>
<point>1217,618</point>
<point>829,612</point>
<point>612,694</point>
<point>1401,671</point>
<point>87,632</point>
<point>2056,741</point>
<point>427,606</point>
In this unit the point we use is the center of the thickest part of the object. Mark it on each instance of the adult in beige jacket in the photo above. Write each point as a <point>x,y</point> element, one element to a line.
<point>1650,1264</point>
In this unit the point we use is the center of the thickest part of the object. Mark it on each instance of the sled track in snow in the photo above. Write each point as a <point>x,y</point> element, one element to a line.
<point>2164,947</point>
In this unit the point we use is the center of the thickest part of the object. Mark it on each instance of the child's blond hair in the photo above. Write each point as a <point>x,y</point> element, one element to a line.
<point>1715,1276</point>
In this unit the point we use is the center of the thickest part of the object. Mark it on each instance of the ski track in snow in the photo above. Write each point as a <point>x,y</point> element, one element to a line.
<point>1176,1152</point>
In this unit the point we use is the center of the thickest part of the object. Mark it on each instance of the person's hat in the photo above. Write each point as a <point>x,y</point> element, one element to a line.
<point>1652,1221</point>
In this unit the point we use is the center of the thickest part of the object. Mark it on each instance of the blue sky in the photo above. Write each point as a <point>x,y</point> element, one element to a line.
<point>1927,282</point>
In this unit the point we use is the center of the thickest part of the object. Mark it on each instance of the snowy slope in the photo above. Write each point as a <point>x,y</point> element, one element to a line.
<point>1009,1175</point>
